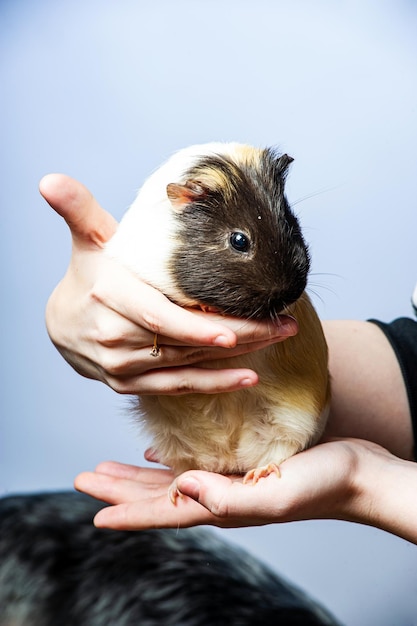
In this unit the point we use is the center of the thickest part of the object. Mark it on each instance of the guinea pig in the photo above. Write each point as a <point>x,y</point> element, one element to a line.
<point>212,228</point>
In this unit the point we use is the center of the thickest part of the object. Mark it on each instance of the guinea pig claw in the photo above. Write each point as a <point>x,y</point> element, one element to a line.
<point>261,472</point>
<point>174,492</point>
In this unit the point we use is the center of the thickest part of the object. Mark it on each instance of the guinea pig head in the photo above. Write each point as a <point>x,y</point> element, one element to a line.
<point>240,249</point>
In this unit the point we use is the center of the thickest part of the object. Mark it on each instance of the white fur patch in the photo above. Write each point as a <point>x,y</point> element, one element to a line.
<point>146,237</point>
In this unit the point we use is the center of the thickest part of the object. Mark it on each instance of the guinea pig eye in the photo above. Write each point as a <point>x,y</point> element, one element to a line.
<point>240,242</point>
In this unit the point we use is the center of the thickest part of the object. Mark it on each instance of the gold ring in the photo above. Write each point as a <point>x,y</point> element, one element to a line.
<point>156,350</point>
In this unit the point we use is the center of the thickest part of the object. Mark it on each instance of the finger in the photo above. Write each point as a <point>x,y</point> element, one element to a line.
<point>119,482</point>
<point>130,373</point>
<point>126,364</point>
<point>140,503</point>
<point>124,293</point>
<point>133,472</point>
<point>129,342</point>
<point>249,331</point>
<point>157,513</point>
<point>90,225</point>
<point>117,489</point>
<point>184,380</point>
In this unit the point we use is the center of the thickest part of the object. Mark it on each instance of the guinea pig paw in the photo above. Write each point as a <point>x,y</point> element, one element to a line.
<point>174,492</point>
<point>255,474</point>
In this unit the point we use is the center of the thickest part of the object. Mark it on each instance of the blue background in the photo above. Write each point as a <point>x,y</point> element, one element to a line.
<point>105,91</point>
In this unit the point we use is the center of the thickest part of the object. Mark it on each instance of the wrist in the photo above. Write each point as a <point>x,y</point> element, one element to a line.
<point>383,494</point>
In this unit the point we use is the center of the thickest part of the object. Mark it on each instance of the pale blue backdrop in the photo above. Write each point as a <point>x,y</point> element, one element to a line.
<point>104,91</point>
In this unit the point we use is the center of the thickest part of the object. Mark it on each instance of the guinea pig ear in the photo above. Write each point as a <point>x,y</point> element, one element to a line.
<point>283,163</point>
<point>181,195</point>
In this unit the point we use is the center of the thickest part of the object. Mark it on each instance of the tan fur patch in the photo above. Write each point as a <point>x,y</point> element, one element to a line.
<point>214,178</point>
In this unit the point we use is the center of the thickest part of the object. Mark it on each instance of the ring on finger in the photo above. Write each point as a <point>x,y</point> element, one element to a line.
<point>156,350</point>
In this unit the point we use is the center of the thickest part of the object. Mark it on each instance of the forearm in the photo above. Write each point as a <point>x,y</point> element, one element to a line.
<point>369,399</point>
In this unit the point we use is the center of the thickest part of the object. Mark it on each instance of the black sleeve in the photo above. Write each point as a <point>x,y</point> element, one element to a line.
<point>402,335</point>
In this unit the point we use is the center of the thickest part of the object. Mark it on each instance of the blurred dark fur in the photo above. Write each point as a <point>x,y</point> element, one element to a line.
<point>57,569</point>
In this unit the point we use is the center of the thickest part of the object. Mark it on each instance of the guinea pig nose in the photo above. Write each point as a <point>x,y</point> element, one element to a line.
<point>283,299</point>
<point>276,305</point>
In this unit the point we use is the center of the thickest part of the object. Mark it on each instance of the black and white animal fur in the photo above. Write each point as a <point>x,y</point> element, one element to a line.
<point>212,228</point>
<point>57,569</point>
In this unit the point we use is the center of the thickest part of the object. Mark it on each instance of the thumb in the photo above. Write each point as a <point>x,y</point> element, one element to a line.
<point>91,226</point>
<point>189,486</point>
<point>213,491</point>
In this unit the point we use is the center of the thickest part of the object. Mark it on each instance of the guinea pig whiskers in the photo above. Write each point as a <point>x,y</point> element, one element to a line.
<point>321,286</point>
<point>274,315</point>
<point>316,294</point>
<point>314,194</point>
<point>331,274</point>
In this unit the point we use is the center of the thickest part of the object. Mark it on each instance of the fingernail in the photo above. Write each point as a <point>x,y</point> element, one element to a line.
<point>189,487</point>
<point>287,325</point>
<point>222,341</point>
<point>248,382</point>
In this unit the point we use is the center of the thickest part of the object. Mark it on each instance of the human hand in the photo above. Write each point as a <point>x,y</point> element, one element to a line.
<point>334,480</point>
<point>102,318</point>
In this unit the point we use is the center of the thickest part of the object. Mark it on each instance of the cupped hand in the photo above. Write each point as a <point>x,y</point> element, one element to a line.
<point>102,318</point>
<point>322,482</point>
